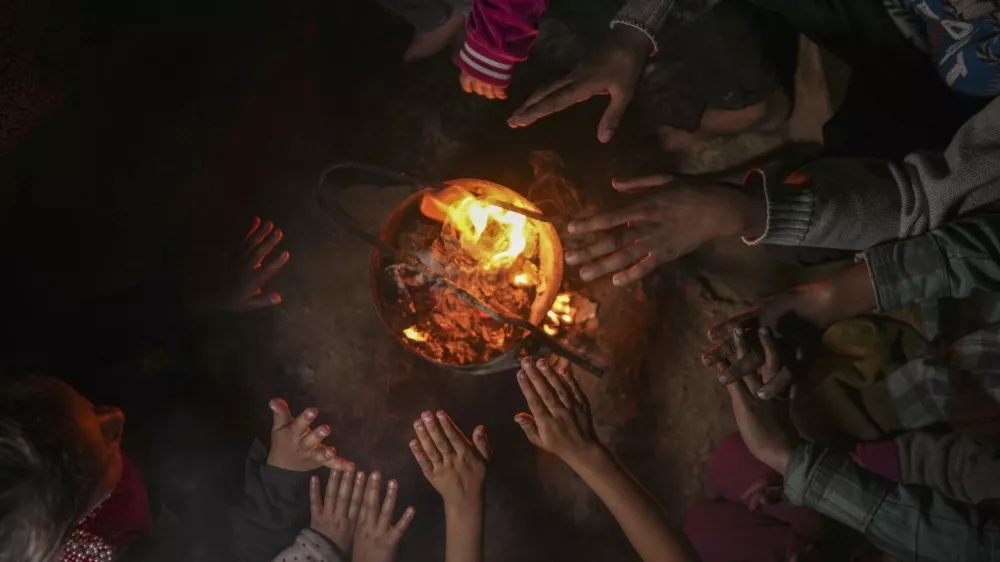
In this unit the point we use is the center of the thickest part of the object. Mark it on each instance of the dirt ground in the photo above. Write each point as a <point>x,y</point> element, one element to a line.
<point>178,170</point>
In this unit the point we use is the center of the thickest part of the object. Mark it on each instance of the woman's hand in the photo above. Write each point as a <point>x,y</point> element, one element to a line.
<point>560,421</point>
<point>453,465</point>
<point>295,447</point>
<point>335,515</point>
<point>376,539</point>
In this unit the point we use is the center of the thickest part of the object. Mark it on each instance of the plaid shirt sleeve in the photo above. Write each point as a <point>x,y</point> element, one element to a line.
<point>910,522</point>
<point>949,261</point>
<point>650,16</point>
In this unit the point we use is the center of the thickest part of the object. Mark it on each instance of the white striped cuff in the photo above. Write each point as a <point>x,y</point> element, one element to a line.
<point>484,65</point>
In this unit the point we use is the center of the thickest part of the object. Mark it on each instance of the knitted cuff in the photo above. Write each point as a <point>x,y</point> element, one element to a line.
<point>474,62</point>
<point>640,27</point>
<point>789,212</point>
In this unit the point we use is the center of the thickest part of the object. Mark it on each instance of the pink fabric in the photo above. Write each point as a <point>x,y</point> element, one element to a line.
<point>124,517</point>
<point>724,529</point>
<point>499,33</point>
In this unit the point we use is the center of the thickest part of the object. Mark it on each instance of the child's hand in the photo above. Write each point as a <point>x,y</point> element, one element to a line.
<point>336,516</point>
<point>448,460</point>
<point>246,272</point>
<point>477,86</point>
<point>295,447</point>
<point>560,421</point>
<point>375,539</point>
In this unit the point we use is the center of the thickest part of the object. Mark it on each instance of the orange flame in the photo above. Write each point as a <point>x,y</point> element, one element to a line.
<point>414,334</point>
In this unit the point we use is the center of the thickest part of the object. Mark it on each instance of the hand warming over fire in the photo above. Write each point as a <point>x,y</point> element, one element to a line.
<point>661,227</point>
<point>450,462</point>
<point>457,470</point>
<point>376,537</point>
<point>473,85</point>
<point>560,421</point>
<point>295,447</point>
<point>335,515</point>
<point>244,274</point>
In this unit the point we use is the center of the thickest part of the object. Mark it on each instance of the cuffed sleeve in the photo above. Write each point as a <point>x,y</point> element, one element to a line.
<point>854,204</point>
<point>310,546</point>
<point>949,261</point>
<point>653,16</point>
<point>499,34</point>
<point>951,464</point>
<point>910,522</point>
<point>274,509</point>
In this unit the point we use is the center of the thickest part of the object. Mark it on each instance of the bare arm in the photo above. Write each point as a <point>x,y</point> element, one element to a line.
<point>560,422</point>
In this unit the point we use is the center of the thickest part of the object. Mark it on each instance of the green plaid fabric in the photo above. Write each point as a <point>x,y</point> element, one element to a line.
<point>909,522</point>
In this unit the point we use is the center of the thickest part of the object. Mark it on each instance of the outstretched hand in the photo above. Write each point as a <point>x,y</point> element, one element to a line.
<point>242,284</point>
<point>453,465</point>
<point>376,538</point>
<point>660,227</point>
<point>335,514</point>
<point>295,447</point>
<point>615,71</point>
<point>560,421</point>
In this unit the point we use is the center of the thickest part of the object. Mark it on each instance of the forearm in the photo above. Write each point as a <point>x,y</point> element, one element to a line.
<point>951,464</point>
<point>632,506</point>
<point>464,531</point>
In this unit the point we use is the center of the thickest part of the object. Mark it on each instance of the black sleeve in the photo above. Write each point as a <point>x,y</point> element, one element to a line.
<point>275,508</point>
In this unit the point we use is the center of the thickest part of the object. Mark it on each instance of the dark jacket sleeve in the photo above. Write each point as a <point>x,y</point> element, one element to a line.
<point>275,508</point>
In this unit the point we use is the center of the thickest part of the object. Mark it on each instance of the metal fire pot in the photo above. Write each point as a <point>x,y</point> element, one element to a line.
<point>385,252</point>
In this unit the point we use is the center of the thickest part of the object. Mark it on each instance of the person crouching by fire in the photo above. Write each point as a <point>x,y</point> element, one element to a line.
<point>67,491</point>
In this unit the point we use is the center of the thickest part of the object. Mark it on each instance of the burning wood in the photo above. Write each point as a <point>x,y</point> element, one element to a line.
<point>492,253</point>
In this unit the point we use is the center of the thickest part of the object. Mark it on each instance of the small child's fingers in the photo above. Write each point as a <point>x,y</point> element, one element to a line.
<point>314,438</point>
<point>501,93</point>
<point>403,524</point>
<point>418,453</point>
<point>354,511</point>
<point>777,386</point>
<point>772,359</point>
<point>388,505</point>
<point>315,503</point>
<point>344,490</point>
<point>451,431</point>
<point>482,442</point>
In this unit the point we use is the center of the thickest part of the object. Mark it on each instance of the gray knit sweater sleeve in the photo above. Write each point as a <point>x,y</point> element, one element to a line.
<point>856,203</point>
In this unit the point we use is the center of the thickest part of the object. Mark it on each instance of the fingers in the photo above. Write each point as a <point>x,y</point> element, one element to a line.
<point>333,462</point>
<point>451,431</point>
<point>541,386</point>
<point>574,386</point>
<point>263,249</point>
<point>369,504</point>
<point>253,229</point>
<point>747,360</point>
<point>558,100</point>
<point>332,492</point>
<point>403,524</point>
<point>556,382</point>
<point>421,457</point>
<point>642,268</point>
<point>604,221</point>
<point>644,182</point>
<point>605,244</point>
<point>388,505</point>
<point>500,93</point>
<point>616,262</point>
<point>725,330</point>
<point>344,490</point>
<point>776,378</point>
<point>282,416</point>
<point>257,235</point>
<point>258,302</point>
<point>612,116</point>
<point>528,113</point>
<point>466,81</point>
<point>529,427</point>
<point>315,504</point>
<point>482,442</point>
<point>437,434</point>
<point>265,272</point>
<point>427,443</point>
<point>531,396</point>
<point>357,495</point>
<point>314,438</point>
<point>301,423</point>
<point>717,354</point>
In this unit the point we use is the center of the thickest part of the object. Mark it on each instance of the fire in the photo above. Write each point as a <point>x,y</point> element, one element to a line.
<point>562,313</point>
<point>414,334</point>
<point>496,237</point>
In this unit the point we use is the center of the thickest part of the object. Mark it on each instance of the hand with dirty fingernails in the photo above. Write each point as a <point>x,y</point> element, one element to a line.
<point>376,537</point>
<point>294,446</point>
<point>660,227</point>
<point>334,514</point>
<point>473,85</point>
<point>765,425</point>
<point>250,271</point>
<point>614,72</point>
<point>560,421</point>
<point>456,468</point>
